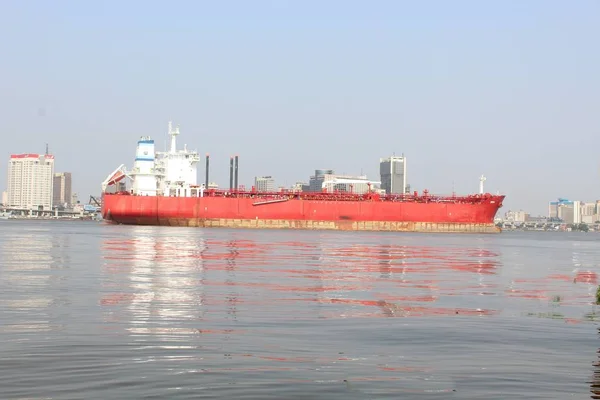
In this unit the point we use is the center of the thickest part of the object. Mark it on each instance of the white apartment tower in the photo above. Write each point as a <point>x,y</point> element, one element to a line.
<point>30,181</point>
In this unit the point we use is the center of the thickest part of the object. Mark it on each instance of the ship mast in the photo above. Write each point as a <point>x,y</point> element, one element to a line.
<point>173,133</point>
<point>481,180</point>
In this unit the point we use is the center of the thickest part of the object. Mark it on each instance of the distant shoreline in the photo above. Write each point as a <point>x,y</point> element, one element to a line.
<point>52,219</point>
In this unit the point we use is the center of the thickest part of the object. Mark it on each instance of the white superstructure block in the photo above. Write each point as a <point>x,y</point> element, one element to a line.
<point>144,183</point>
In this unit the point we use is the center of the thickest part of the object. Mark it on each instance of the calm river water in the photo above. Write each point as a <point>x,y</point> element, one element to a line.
<point>91,310</point>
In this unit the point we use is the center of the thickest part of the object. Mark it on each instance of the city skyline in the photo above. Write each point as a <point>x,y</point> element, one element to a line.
<point>274,183</point>
<point>462,89</point>
<point>32,183</point>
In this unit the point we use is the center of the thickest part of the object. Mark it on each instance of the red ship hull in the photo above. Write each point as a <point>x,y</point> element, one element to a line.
<point>351,212</point>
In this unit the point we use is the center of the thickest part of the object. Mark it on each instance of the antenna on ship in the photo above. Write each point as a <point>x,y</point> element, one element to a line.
<point>168,134</point>
<point>481,180</point>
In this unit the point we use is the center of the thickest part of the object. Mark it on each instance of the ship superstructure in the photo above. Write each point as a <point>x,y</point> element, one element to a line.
<point>171,173</point>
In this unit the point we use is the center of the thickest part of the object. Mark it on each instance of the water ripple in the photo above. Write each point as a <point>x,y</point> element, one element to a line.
<point>94,310</point>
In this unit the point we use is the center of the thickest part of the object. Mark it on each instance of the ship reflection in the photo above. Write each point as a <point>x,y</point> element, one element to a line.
<point>231,297</point>
<point>152,279</point>
<point>383,278</point>
<point>161,277</point>
<point>406,280</point>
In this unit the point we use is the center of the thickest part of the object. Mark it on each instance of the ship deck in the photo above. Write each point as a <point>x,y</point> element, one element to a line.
<point>271,197</point>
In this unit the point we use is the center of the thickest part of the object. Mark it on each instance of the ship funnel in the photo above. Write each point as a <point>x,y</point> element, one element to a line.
<point>236,174</point>
<point>206,179</point>
<point>230,173</point>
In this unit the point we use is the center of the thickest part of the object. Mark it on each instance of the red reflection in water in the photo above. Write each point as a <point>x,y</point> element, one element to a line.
<point>404,369</point>
<point>117,298</point>
<point>284,288</point>
<point>586,277</point>
<point>528,293</point>
<point>550,288</point>
<point>393,310</point>
<point>232,269</point>
<point>573,321</point>
<point>560,277</point>
<point>218,331</point>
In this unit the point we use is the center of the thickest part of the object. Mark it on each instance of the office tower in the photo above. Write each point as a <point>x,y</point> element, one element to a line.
<point>393,174</point>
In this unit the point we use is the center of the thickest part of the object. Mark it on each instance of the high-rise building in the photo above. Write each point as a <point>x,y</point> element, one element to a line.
<point>264,184</point>
<point>588,213</point>
<point>62,189</point>
<point>315,183</point>
<point>576,212</point>
<point>561,209</point>
<point>570,212</point>
<point>30,181</point>
<point>393,174</point>
<point>4,198</point>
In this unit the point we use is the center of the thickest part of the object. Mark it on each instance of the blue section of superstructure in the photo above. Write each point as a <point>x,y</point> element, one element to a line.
<point>145,150</point>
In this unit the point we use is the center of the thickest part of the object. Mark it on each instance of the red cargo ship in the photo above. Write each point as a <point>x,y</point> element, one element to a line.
<point>165,192</point>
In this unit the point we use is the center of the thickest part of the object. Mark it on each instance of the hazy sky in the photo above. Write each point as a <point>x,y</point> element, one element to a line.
<point>510,89</point>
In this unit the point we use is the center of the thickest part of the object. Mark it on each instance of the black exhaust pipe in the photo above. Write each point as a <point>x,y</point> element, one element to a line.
<point>236,174</point>
<point>206,179</point>
<point>230,173</point>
